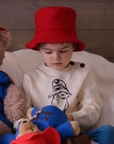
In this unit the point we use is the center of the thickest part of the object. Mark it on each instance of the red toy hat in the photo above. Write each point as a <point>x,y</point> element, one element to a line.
<point>2,29</point>
<point>55,25</point>
<point>49,136</point>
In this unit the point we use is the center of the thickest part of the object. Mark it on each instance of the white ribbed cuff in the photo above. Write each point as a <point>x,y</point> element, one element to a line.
<point>15,125</point>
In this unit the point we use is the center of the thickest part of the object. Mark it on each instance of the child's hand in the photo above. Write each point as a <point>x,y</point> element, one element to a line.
<point>70,117</point>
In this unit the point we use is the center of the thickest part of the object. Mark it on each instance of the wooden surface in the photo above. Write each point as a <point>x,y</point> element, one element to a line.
<point>95,22</point>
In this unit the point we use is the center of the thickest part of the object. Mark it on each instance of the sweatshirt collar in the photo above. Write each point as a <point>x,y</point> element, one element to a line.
<point>50,70</point>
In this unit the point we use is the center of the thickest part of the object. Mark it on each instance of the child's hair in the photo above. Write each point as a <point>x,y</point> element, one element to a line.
<point>40,44</point>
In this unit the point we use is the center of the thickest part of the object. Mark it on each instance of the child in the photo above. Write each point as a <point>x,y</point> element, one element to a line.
<point>68,85</point>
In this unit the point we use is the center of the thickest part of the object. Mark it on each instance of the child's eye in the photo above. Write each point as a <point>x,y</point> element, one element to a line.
<point>63,51</point>
<point>48,52</point>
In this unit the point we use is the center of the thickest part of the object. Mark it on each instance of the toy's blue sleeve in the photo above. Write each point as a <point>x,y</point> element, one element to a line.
<point>56,116</point>
<point>65,130</point>
<point>41,123</point>
<point>50,116</point>
<point>34,111</point>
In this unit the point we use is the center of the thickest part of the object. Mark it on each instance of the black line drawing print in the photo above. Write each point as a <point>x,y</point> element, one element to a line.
<point>60,91</point>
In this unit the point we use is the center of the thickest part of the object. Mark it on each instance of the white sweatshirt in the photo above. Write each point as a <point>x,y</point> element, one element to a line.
<point>72,89</point>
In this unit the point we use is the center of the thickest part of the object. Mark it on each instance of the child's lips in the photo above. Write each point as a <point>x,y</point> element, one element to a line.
<point>57,64</point>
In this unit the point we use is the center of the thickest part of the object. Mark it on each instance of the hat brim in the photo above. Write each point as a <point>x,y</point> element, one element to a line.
<point>55,36</point>
<point>49,136</point>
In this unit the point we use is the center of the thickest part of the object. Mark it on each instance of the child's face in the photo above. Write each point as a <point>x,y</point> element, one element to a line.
<point>57,56</point>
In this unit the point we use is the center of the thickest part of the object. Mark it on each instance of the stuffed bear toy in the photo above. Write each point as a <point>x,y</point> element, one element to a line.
<point>9,92</point>
<point>40,120</point>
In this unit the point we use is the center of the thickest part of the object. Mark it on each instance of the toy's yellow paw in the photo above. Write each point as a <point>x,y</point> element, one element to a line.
<point>30,117</point>
<point>39,112</point>
<point>29,111</point>
<point>75,127</point>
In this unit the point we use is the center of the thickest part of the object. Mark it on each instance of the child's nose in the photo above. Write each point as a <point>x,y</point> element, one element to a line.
<point>56,55</point>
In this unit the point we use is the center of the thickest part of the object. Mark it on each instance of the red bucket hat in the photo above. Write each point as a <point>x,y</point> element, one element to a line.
<point>49,136</point>
<point>55,25</point>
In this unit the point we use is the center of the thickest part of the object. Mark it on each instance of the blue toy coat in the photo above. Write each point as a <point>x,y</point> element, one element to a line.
<point>54,117</point>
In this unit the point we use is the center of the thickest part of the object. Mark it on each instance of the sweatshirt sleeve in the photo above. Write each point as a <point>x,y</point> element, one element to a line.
<point>90,103</point>
<point>26,86</point>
